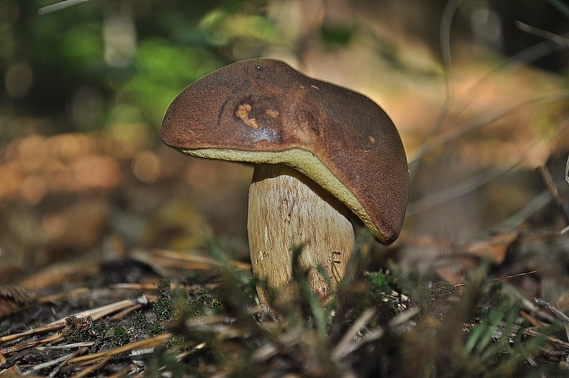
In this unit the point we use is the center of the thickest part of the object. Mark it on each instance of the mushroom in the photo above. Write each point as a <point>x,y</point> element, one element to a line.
<point>321,153</point>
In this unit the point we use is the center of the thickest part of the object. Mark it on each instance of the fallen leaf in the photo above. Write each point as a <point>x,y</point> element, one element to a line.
<point>495,248</point>
<point>13,297</point>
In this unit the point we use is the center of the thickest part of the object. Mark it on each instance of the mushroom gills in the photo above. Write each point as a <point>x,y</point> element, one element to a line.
<point>288,210</point>
<point>308,165</point>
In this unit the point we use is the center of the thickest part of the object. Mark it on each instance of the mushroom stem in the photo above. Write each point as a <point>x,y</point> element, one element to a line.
<point>288,210</point>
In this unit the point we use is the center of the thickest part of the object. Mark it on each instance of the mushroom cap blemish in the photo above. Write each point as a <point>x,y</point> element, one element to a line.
<point>262,111</point>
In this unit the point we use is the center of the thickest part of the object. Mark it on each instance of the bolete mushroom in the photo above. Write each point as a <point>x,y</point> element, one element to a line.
<point>321,152</point>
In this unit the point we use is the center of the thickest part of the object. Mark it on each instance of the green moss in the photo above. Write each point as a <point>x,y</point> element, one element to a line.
<point>441,289</point>
<point>139,322</point>
<point>164,309</point>
<point>118,336</point>
<point>4,326</point>
<point>155,329</point>
<point>98,328</point>
<point>79,336</point>
<point>202,301</point>
<point>163,290</point>
<point>380,282</point>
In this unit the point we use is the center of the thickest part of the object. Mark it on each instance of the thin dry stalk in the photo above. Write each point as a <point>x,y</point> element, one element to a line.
<point>58,361</point>
<point>99,312</point>
<point>31,344</point>
<point>345,345</point>
<point>197,261</point>
<point>143,344</point>
<point>35,331</point>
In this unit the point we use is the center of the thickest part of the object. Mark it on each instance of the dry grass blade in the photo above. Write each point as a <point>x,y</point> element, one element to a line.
<point>264,352</point>
<point>153,286</point>
<point>555,311</point>
<point>99,312</point>
<point>526,56</point>
<point>567,171</point>
<point>459,189</point>
<point>58,6</point>
<point>514,221</point>
<point>35,331</point>
<point>462,130</point>
<point>193,350</point>
<point>31,344</point>
<point>480,179</point>
<point>403,317</point>
<point>284,341</point>
<point>67,346</point>
<point>532,332</point>
<point>559,39</point>
<point>198,262</point>
<point>64,295</point>
<point>345,346</point>
<point>57,361</point>
<point>61,323</point>
<point>554,190</point>
<point>350,343</point>
<point>563,231</point>
<point>126,311</point>
<point>143,344</point>
<point>511,292</point>
<point>94,367</point>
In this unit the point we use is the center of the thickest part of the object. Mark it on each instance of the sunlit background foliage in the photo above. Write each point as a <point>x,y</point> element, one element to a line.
<point>99,62</point>
<point>85,85</point>
<point>93,63</point>
<point>96,62</point>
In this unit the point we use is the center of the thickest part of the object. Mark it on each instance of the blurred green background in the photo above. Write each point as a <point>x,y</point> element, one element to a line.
<point>95,62</point>
<point>91,64</point>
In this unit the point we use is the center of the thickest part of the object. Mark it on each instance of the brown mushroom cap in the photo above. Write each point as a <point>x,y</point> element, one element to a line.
<point>264,111</point>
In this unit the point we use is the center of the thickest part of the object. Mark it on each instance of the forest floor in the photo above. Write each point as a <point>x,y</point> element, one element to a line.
<point>110,267</point>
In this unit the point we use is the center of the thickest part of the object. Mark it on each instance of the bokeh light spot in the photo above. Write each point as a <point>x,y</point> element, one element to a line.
<point>146,166</point>
<point>96,171</point>
<point>18,80</point>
